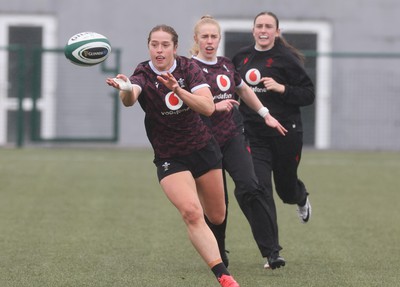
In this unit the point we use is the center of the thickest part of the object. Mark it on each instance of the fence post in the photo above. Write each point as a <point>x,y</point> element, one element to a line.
<point>114,71</point>
<point>20,91</point>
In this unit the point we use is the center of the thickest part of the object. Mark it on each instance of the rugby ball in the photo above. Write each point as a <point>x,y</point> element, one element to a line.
<point>87,49</point>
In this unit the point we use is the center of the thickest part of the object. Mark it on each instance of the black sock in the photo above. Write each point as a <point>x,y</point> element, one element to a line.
<point>219,233</point>
<point>220,270</point>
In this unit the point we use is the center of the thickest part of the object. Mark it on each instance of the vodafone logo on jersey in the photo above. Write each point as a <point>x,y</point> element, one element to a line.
<point>223,83</point>
<point>173,102</point>
<point>253,77</point>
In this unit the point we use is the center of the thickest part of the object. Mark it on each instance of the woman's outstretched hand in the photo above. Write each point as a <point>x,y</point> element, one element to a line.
<point>273,123</point>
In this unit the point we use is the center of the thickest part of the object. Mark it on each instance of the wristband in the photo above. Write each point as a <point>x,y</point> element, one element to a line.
<point>123,86</point>
<point>263,112</point>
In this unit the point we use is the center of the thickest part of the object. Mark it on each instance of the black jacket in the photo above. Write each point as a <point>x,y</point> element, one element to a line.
<point>285,68</point>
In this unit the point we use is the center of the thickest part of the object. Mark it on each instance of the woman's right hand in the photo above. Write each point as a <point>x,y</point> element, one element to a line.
<point>120,82</point>
<point>273,123</point>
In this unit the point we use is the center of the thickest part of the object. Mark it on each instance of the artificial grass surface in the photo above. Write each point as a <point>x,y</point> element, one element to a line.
<point>98,217</point>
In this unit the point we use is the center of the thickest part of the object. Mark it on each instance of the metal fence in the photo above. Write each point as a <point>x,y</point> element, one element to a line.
<point>361,95</point>
<point>45,98</point>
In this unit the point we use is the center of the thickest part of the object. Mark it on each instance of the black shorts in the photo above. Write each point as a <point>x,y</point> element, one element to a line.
<point>198,162</point>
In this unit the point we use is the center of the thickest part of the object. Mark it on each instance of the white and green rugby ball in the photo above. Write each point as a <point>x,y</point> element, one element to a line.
<point>87,49</point>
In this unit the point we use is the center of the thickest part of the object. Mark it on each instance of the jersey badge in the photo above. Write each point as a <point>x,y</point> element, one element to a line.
<point>181,82</point>
<point>253,77</point>
<point>166,165</point>
<point>173,102</point>
<point>269,62</point>
<point>223,82</point>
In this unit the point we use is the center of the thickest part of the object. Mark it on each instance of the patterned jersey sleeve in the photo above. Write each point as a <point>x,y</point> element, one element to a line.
<point>138,76</point>
<point>194,74</point>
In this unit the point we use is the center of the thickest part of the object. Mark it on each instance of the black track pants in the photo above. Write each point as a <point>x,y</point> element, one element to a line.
<point>237,161</point>
<point>279,157</point>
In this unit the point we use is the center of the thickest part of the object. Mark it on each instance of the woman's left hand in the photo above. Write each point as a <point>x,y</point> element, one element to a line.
<point>225,105</point>
<point>272,85</point>
<point>169,81</point>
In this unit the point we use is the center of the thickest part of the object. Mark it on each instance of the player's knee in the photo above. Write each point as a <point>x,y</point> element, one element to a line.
<point>192,214</point>
<point>216,217</point>
<point>247,194</point>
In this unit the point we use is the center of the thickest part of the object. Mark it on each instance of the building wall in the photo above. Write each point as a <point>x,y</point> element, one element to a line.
<point>357,25</point>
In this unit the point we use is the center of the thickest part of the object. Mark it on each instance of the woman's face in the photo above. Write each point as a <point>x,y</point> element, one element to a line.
<point>208,38</point>
<point>265,32</point>
<point>162,50</point>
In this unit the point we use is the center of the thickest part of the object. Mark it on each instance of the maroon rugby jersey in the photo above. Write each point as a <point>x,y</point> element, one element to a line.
<point>172,128</point>
<point>223,80</point>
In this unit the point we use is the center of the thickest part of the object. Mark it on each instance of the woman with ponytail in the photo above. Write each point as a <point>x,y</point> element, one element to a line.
<point>275,71</point>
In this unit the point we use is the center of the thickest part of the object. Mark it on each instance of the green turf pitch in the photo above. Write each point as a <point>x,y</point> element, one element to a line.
<point>97,217</point>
